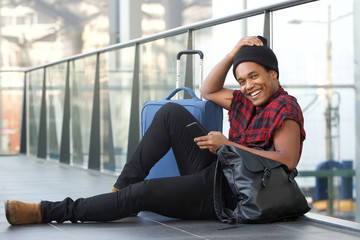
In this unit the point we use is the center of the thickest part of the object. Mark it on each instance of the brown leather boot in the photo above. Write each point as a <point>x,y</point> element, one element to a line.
<point>22,213</point>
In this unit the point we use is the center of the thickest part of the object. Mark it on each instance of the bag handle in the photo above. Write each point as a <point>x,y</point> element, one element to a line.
<point>189,90</point>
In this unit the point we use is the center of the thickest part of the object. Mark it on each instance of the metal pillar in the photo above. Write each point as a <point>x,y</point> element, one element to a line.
<point>23,136</point>
<point>189,82</point>
<point>42,137</point>
<point>267,27</point>
<point>95,144</point>
<point>134,128</point>
<point>65,134</point>
<point>130,20</point>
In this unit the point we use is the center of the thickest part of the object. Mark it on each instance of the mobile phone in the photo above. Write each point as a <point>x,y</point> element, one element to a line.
<point>196,129</point>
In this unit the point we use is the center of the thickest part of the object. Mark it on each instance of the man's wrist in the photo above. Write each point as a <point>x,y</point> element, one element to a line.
<point>230,57</point>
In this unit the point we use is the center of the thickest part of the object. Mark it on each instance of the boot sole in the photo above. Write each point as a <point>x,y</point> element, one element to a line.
<point>7,213</point>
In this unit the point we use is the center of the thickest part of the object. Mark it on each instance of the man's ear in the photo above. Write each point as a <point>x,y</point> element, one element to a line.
<point>273,74</point>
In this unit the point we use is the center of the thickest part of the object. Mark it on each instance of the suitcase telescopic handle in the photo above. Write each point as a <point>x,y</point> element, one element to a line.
<point>200,53</point>
<point>187,52</point>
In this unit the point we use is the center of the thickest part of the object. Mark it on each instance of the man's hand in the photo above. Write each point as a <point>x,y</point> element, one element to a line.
<point>246,41</point>
<point>211,141</point>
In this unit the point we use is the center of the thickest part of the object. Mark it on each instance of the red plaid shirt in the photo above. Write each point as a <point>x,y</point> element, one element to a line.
<point>254,126</point>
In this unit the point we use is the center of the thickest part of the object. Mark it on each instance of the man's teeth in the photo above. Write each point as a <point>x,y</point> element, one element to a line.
<point>255,93</point>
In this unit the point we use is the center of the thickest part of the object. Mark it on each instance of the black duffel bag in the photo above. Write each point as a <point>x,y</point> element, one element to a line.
<point>252,189</point>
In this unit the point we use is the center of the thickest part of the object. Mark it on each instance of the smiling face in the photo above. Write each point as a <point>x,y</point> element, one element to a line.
<point>256,83</point>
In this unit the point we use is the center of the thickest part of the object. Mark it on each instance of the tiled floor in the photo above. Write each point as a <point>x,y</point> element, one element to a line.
<point>31,179</point>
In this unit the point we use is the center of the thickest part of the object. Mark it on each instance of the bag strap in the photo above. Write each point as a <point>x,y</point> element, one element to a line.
<point>292,175</point>
<point>224,214</point>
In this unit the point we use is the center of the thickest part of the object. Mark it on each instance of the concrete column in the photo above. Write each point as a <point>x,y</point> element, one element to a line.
<point>130,19</point>
<point>114,21</point>
<point>124,20</point>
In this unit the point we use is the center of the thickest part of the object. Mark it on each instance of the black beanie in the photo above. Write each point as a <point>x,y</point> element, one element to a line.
<point>262,55</point>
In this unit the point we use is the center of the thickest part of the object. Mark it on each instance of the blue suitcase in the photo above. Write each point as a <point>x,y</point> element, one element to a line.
<point>206,112</point>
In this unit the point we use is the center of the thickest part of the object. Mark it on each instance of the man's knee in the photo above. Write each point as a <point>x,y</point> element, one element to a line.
<point>171,106</point>
<point>172,109</point>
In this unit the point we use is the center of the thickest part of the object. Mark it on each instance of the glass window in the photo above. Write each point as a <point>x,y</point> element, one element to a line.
<point>314,45</point>
<point>11,103</point>
<point>55,91</point>
<point>82,76</point>
<point>117,69</point>
<point>158,67</point>
<point>34,85</point>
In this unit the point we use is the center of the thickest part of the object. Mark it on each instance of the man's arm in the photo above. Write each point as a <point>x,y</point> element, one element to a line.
<point>213,86</point>
<point>286,143</point>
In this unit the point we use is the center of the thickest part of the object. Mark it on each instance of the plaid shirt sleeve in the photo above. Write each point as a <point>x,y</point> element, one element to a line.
<point>254,126</point>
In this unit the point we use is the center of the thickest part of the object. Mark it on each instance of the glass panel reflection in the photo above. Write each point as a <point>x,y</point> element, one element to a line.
<point>34,85</point>
<point>158,67</point>
<point>82,75</point>
<point>119,70</point>
<point>11,92</point>
<point>55,84</point>
<point>106,134</point>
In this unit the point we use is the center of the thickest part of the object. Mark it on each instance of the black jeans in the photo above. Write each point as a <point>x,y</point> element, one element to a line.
<point>189,196</point>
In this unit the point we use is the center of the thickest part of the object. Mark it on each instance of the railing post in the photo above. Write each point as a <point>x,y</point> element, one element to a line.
<point>267,27</point>
<point>189,70</point>
<point>42,137</point>
<point>134,128</point>
<point>95,144</point>
<point>65,132</point>
<point>23,136</point>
